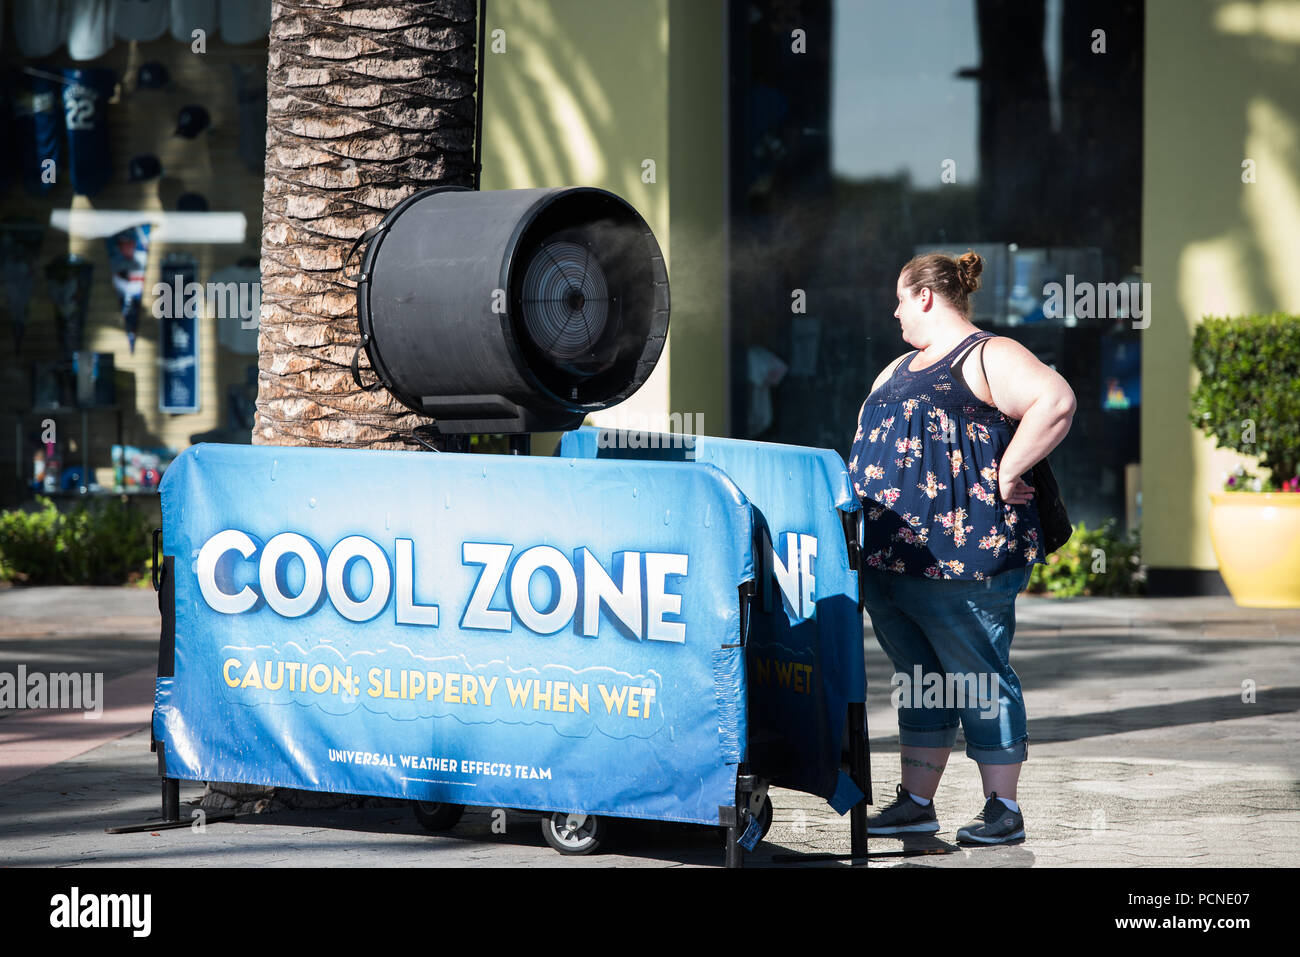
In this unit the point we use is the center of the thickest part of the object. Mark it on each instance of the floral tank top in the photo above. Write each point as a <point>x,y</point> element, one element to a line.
<point>925,465</point>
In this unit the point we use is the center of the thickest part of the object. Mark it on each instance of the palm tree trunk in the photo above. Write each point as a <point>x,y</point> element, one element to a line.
<point>369,101</point>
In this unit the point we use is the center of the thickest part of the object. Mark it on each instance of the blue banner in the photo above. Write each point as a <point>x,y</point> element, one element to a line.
<point>509,631</point>
<point>178,335</point>
<point>805,654</point>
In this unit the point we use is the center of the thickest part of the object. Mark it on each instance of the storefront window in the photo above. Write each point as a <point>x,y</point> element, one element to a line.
<point>865,133</point>
<point>130,236</point>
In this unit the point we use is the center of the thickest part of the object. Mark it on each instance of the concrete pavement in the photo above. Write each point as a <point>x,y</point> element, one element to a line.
<point>1142,753</point>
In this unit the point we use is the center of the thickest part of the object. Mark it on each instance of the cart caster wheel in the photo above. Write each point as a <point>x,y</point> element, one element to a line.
<point>437,817</point>
<point>574,833</point>
<point>765,817</point>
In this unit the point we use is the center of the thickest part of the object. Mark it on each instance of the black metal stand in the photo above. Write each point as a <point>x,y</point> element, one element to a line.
<point>164,584</point>
<point>171,813</point>
<point>735,856</point>
<point>171,799</point>
<point>859,743</point>
<point>860,771</point>
<point>736,819</point>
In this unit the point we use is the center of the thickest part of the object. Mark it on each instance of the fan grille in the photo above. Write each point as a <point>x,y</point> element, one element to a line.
<point>565,300</point>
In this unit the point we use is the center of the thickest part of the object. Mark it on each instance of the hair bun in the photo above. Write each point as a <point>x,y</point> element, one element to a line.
<point>969,266</point>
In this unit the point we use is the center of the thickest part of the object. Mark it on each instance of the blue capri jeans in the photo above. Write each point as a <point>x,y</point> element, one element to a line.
<point>952,628</point>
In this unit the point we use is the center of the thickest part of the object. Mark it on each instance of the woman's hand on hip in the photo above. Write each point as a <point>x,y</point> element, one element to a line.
<point>1014,490</point>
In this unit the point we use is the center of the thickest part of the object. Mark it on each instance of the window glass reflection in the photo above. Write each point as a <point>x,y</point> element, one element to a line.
<point>1011,127</point>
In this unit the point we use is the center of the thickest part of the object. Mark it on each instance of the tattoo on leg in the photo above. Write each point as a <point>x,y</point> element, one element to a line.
<point>914,763</point>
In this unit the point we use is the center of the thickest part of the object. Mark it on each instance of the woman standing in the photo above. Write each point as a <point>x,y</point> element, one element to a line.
<point>950,534</point>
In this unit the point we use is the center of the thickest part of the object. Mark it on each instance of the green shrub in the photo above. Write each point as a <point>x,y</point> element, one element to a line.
<point>1095,561</point>
<point>30,543</point>
<point>1249,368</point>
<point>100,543</point>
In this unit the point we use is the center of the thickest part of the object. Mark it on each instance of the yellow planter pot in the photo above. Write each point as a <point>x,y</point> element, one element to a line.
<point>1256,537</point>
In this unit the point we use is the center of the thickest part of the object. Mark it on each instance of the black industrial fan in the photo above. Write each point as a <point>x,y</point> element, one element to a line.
<point>511,310</point>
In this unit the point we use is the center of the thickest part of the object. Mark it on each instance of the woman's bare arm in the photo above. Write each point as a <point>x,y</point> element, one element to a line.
<point>1024,388</point>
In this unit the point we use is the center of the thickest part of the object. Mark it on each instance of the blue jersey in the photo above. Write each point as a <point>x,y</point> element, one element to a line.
<point>85,110</point>
<point>38,127</point>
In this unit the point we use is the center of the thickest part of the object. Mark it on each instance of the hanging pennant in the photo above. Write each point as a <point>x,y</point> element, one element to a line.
<point>128,254</point>
<point>67,280</point>
<point>20,247</point>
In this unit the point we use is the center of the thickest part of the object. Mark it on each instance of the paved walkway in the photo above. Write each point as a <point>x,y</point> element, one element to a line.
<point>1142,753</point>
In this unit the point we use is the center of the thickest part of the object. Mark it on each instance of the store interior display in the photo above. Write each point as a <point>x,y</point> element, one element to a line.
<point>125,149</point>
<point>67,282</point>
<point>138,470</point>
<point>90,29</point>
<point>20,248</point>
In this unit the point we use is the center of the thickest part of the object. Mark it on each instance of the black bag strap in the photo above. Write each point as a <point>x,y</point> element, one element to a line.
<point>959,363</point>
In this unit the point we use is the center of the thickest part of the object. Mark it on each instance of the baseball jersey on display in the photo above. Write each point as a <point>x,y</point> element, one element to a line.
<point>38,127</point>
<point>85,109</point>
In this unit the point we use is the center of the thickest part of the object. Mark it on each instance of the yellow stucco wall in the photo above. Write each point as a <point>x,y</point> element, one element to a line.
<point>1221,91</point>
<point>583,94</point>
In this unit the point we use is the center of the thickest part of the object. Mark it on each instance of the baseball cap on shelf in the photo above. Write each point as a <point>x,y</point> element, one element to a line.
<point>152,75</point>
<point>192,203</point>
<point>192,120</point>
<point>145,166</point>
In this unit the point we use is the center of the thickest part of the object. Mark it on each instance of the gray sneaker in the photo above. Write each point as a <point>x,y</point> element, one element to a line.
<point>996,824</point>
<point>904,816</point>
